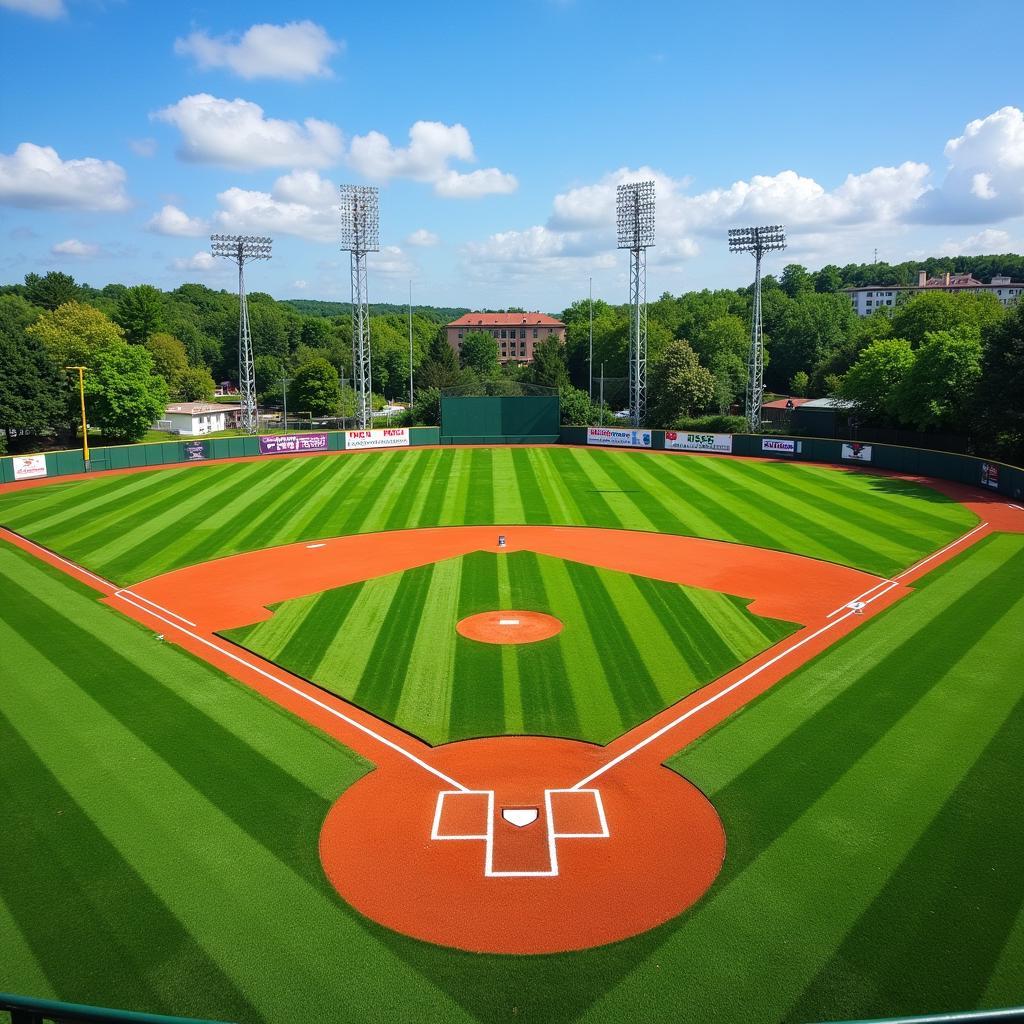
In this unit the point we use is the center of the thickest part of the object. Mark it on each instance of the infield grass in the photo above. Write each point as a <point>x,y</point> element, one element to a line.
<point>629,647</point>
<point>161,822</point>
<point>133,526</point>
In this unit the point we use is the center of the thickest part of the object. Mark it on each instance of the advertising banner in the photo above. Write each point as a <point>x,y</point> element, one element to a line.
<point>685,442</point>
<point>389,437</point>
<point>195,451</point>
<point>857,452</point>
<point>990,475</point>
<point>779,445</point>
<point>29,467</point>
<point>282,444</point>
<point>619,437</point>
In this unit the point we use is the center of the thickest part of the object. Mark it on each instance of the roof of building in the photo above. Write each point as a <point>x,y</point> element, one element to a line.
<point>506,320</point>
<point>953,281</point>
<point>828,403</point>
<point>195,408</point>
<point>780,403</point>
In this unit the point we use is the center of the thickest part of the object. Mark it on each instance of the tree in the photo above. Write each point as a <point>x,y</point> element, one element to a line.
<point>549,368</point>
<point>316,388</point>
<point>426,409</point>
<point>31,395</point>
<point>875,379</point>
<point>140,313</point>
<point>828,279</point>
<point>195,384</point>
<point>73,333</point>
<point>441,367</point>
<point>123,393</point>
<point>169,358</point>
<point>938,389</point>
<point>268,371</point>
<point>933,311</point>
<point>999,404</point>
<point>51,291</point>
<point>480,353</point>
<point>796,280</point>
<point>799,384</point>
<point>575,405</point>
<point>679,385</point>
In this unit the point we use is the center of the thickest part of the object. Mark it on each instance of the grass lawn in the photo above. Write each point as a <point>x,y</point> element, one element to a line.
<point>133,526</point>
<point>161,825</point>
<point>630,646</point>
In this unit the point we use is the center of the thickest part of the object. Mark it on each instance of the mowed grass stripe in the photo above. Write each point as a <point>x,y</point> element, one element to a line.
<point>512,697</point>
<point>323,505</point>
<point>381,684</point>
<point>546,500</point>
<point>452,509</point>
<point>405,509</point>
<point>621,508</point>
<point>409,513</point>
<point>508,501</point>
<point>480,500</point>
<point>440,485</point>
<point>547,706</point>
<point>426,696</point>
<point>351,514</point>
<point>478,698</point>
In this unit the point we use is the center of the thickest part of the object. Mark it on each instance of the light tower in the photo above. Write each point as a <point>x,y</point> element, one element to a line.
<point>757,241</point>
<point>635,221</point>
<point>242,249</point>
<point>360,229</point>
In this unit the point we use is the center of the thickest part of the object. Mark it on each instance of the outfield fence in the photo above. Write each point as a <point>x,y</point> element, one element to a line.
<point>989,474</point>
<point>26,1010</point>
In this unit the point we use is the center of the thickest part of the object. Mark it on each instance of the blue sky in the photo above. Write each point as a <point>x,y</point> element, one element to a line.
<point>497,133</point>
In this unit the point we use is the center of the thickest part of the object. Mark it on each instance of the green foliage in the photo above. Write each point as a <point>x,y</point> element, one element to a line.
<point>799,384</point>
<point>73,333</point>
<point>268,371</point>
<point>480,353</point>
<point>712,424</point>
<point>828,279</point>
<point>441,367</point>
<point>679,385</point>
<point>938,389</point>
<point>195,384</point>
<point>934,311</point>
<point>804,331</point>
<point>796,280</point>
<point>123,394</point>
<point>426,409</point>
<point>316,388</point>
<point>875,381</point>
<point>1000,406</point>
<point>140,313</point>
<point>30,384</point>
<point>549,368</point>
<point>575,405</point>
<point>169,358</point>
<point>52,290</point>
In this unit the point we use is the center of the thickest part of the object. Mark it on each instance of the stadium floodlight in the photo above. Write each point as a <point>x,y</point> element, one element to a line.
<point>634,216</point>
<point>757,241</point>
<point>242,249</point>
<point>360,234</point>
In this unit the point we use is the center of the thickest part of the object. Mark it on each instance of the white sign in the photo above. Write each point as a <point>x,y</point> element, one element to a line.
<point>779,444</point>
<point>679,441</point>
<point>619,437</point>
<point>389,437</point>
<point>857,452</point>
<point>28,467</point>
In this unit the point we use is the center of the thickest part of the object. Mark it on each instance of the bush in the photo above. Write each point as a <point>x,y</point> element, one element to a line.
<point>712,424</point>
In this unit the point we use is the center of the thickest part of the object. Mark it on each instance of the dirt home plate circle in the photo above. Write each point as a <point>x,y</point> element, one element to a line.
<point>517,852</point>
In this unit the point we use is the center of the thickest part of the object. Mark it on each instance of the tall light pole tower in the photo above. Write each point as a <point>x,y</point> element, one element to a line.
<point>242,249</point>
<point>360,234</point>
<point>757,241</point>
<point>635,222</point>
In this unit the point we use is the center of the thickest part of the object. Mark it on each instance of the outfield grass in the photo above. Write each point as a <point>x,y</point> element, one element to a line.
<point>630,646</point>
<point>159,848</point>
<point>134,526</point>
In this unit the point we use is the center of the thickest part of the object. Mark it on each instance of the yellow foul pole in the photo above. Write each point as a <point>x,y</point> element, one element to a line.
<point>81,395</point>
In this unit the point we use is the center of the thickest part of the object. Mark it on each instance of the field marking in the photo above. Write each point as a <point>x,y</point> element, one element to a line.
<point>180,618</point>
<point>1017,507</point>
<point>488,836</point>
<point>858,598</point>
<point>312,546</point>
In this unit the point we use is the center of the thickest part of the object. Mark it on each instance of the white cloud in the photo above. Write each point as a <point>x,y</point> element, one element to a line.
<point>143,147</point>
<point>984,243</point>
<point>49,9</point>
<point>300,49</point>
<point>172,221</point>
<point>984,181</point>
<point>301,203</point>
<point>392,261</point>
<point>300,285</point>
<point>35,176</point>
<point>203,262</point>
<point>73,247</point>
<point>423,238</point>
<point>432,146</point>
<point>235,133</point>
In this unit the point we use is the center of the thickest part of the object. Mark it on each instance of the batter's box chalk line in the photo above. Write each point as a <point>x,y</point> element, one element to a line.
<point>471,815</point>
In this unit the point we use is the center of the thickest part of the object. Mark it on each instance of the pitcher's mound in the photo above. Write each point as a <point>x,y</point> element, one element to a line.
<point>509,627</point>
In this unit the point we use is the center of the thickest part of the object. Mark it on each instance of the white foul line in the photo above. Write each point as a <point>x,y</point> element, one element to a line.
<point>180,618</point>
<point>1017,507</point>
<point>953,544</point>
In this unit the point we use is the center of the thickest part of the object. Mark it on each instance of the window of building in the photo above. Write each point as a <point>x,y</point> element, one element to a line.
<point>503,334</point>
<point>522,332</point>
<point>460,334</point>
<point>535,332</point>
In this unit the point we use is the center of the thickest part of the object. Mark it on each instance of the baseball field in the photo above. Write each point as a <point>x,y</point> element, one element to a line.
<point>765,764</point>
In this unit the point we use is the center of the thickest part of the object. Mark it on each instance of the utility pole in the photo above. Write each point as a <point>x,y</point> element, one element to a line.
<point>410,349</point>
<point>85,429</point>
<point>590,361</point>
<point>602,395</point>
<point>285,381</point>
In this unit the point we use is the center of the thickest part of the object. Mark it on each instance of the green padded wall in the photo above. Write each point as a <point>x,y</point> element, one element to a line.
<point>519,420</point>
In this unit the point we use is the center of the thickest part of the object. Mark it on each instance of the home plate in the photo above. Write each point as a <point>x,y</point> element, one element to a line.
<point>520,816</point>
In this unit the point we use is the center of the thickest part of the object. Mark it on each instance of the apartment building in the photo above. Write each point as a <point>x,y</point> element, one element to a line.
<point>870,298</point>
<point>515,333</point>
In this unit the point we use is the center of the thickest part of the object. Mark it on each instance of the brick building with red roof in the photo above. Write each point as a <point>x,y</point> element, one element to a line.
<point>515,333</point>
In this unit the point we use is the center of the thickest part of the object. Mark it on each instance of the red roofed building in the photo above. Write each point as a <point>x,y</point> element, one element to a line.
<point>515,333</point>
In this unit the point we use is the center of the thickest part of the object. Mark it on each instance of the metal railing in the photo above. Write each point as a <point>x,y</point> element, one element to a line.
<point>27,1010</point>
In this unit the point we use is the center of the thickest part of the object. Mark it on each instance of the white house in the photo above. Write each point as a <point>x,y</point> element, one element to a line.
<point>192,418</point>
<point>872,297</point>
